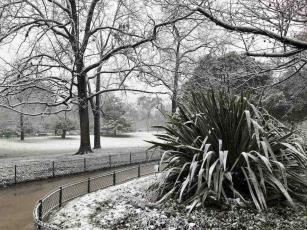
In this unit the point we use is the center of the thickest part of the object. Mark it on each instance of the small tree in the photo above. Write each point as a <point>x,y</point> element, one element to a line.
<point>288,100</point>
<point>114,115</point>
<point>120,124</point>
<point>232,71</point>
<point>148,104</point>
<point>63,125</point>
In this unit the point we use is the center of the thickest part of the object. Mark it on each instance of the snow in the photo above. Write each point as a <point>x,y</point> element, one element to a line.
<point>28,170</point>
<point>31,165</point>
<point>105,208</point>
<point>131,206</point>
<point>55,146</point>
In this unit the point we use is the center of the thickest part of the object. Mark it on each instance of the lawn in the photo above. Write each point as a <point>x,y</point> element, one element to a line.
<point>51,145</point>
<point>39,157</point>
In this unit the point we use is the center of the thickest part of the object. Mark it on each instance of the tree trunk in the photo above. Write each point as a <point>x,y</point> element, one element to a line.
<point>95,105</point>
<point>114,132</point>
<point>176,75</point>
<point>22,128</point>
<point>175,91</point>
<point>97,130</point>
<point>63,136</point>
<point>96,114</point>
<point>85,144</point>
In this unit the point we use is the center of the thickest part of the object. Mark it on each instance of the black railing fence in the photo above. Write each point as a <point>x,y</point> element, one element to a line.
<point>47,169</point>
<point>62,195</point>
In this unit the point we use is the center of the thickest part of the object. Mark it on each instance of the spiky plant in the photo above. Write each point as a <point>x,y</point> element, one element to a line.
<point>220,147</point>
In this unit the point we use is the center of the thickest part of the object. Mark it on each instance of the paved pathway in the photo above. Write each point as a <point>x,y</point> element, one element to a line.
<point>17,202</point>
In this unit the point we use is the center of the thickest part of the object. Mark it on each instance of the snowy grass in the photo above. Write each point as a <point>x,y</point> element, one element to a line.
<point>51,145</point>
<point>34,170</point>
<point>130,206</point>
<point>34,157</point>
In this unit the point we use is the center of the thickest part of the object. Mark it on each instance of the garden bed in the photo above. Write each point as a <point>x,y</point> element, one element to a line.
<point>130,206</point>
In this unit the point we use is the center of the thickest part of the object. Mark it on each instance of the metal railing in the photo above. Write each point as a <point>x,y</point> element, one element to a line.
<point>62,195</point>
<point>47,169</point>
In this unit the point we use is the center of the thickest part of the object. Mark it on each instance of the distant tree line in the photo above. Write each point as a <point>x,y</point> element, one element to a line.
<point>117,117</point>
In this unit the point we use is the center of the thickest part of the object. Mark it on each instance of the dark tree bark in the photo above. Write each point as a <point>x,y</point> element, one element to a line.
<point>96,113</point>
<point>97,144</point>
<point>22,128</point>
<point>95,105</point>
<point>63,136</point>
<point>79,49</point>
<point>115,132</point>
<point>176,74</point>
<point>85,143</point>
<point>176,77</point>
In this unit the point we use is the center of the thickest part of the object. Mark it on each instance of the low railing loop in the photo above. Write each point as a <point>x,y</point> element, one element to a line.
<point>56,199</point>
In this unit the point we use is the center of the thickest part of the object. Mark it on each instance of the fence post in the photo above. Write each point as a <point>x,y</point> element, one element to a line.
<point>130,158</point>
<point>84,164</point>
<point>139,170</point>
<point>15,174</point>
<point>40,213</point>
<point>110,161</point>
<point>40,210</point>
<point>114,178</point>
<point>88,185</point>
<point>53,169</point>
<point>60,196</point>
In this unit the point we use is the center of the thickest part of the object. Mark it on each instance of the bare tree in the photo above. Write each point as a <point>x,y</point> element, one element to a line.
<point>178,55</point>
<point>279,23</point>
<point>26,90</point>
<point>59,35</point>
<point>178,48</point>
<point>173,59</point>
<point>274,29</point>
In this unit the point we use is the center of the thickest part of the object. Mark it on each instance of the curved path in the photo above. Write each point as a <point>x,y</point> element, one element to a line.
<point>17,202</point>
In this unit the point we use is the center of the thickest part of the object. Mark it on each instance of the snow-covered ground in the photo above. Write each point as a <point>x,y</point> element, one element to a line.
<point>130,206</point>
<point>51,145</point>
<point>109,208</point>
<point>30,169</point>
<point>38,156</point>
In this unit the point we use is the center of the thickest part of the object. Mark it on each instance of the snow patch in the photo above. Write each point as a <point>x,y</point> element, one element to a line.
<point>130,206</point>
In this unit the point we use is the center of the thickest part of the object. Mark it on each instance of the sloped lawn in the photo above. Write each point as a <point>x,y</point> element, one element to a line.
<point>129,206</point>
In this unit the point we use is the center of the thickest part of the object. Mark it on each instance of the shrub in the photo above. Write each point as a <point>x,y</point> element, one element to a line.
<point>220,147</point>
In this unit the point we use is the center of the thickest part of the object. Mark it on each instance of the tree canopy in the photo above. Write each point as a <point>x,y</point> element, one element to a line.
<point>232,72</point>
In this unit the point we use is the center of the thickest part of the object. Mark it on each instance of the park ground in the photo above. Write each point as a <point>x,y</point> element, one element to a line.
<point>53,145</point>
<point>51,148</point>
<point>132,206</point>
<point>17,202</point>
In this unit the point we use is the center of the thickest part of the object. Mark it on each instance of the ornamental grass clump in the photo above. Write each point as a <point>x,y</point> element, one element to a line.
<point>220,147</point>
